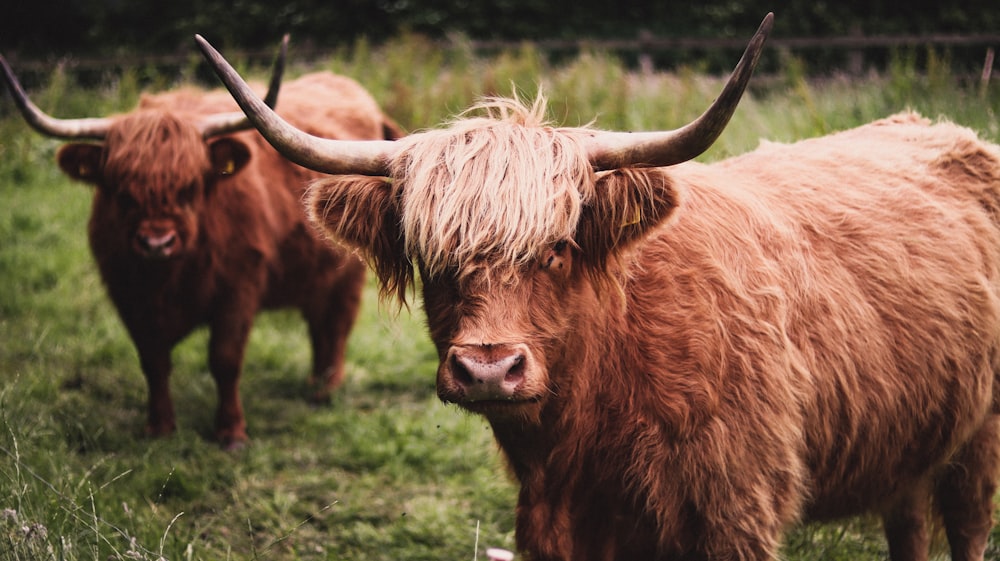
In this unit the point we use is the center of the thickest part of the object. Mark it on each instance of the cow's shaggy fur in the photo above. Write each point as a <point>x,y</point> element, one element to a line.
<point>187,231</point>
<point>805,332</point>
<point>449,225</point>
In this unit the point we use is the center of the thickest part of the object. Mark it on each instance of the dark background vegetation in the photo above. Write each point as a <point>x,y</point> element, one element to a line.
<point>42,28</point>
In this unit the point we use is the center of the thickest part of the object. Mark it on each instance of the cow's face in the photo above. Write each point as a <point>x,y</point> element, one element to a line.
<point>508,343</point>
<point>510,326</point>
<point>499,340</point>
<point>152,173</point>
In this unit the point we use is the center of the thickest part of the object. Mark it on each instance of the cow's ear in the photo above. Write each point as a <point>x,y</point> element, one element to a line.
<point>361,212</point>
<point>81,161</point>
<point>228,155</point>
<point>627,204</point>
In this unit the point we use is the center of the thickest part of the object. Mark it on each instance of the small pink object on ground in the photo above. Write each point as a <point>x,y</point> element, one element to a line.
<point>497,554</point>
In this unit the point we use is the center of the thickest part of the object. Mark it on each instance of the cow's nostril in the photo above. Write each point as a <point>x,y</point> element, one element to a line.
<point>460,372</point>
<point>516,371</point>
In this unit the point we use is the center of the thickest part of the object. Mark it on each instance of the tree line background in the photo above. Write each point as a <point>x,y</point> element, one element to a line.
<point>58,28</point>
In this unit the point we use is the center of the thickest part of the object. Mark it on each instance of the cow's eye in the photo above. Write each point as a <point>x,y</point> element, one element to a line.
<point>555,256</point>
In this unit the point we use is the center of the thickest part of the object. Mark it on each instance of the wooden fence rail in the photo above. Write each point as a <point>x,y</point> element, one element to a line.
<point>643,45</point>
<point>652,43</point>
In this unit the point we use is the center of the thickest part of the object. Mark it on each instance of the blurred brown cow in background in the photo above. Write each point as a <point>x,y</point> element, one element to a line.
<point>194,223</point>
<point>683,362</point>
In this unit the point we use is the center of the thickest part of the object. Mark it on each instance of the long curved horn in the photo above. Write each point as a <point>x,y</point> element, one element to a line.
<point>612,150</point>
<point>363,157</point>
<point>93,129</point>
<point>225,123</point>
<point>97,128</point>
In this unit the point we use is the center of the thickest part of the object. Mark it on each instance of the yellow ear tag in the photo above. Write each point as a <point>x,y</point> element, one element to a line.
<point>636,218</point>
<point>229,168</point>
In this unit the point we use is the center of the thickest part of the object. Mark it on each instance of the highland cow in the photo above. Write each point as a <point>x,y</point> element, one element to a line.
<point>684,360</point>
<point>194,224</point>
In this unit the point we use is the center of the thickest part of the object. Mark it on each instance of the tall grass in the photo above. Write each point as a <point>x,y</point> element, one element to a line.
<point>385,471</point>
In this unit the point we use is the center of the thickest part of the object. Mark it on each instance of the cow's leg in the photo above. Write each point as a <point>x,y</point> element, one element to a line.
<point>964,493</point>
<point>731,543</point>
<point>155,362</point>
<point>227,345</point>
<point>330,320</point>
<point>714,536</point>
<point>543,528</point>
<point>906,525</point>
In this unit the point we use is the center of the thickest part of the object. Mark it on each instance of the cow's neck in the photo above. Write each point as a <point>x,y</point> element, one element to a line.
<point>585,377</point>
<point>571,505</point>
<point>571,499</point>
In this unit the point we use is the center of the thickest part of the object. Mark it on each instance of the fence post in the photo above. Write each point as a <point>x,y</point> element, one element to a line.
<point>645,58</point>
<point>984,80</point>
<point>855,57</point>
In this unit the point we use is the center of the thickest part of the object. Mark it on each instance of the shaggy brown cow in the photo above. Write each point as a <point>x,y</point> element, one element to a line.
<point>683,362</point>
<point>193,225</point>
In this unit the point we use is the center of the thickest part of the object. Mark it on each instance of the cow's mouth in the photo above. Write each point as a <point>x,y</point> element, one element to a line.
<point>158,255</point>
<point>511,407</point>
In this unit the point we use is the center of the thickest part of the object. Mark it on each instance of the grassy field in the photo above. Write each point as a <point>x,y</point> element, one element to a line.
<point>385,472</point>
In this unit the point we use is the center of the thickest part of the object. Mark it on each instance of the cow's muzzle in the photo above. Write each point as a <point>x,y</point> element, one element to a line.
<point>478,373</point>
<point>156,241</point>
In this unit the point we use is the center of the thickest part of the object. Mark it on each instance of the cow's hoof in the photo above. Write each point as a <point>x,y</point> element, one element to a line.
<point>320,397</point>
<point>159,430</point>
<point>234,444</point>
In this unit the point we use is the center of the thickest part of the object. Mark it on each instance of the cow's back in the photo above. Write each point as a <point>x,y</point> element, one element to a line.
<point>323,103</point>
<point>331,106</point>
<point>861,272</point>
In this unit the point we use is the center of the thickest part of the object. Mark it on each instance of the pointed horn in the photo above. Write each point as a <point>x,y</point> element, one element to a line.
<point>612,150</point>
<point>363,157</point>
<point>225,123</point>
<point>93,129</point>
<point>277,71</point>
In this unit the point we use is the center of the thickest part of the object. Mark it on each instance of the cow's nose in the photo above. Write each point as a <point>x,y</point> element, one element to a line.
<point>487,373</point>
<point>156,245</point>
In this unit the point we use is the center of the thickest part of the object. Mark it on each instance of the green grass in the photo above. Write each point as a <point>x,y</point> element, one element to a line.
<point>385,471</point>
